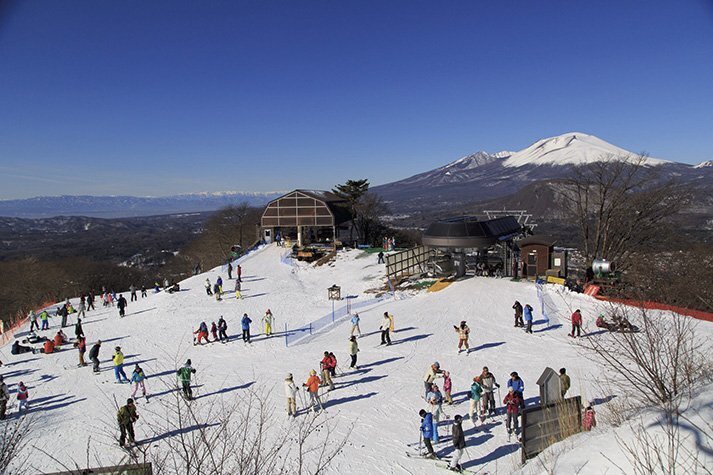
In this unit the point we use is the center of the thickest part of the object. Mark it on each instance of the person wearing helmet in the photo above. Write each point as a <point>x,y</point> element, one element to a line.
<point>433,372</point>
<point>463,333</point>
<point>312,387</point>
<point>291,393</point>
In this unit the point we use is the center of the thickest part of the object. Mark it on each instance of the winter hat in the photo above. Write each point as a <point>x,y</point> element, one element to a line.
<point>289,376</point>
<point>458,418</point>
<point>422,412</point>
<point>312,372</point>
<point>188,361</point>
<point>511,390</point>
<point>129,401</point>
<point>118,348</point>
<point>326,353</point>
<point>436,364</point>
<point>513,374</point>
<point>462,322</point>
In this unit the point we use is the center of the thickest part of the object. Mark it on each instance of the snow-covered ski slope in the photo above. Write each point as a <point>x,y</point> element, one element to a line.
<point>381,400</point>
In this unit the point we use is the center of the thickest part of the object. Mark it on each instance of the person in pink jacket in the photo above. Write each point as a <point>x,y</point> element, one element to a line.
<point>22,396</point>
<point>447,386</point>
<point>589,420</point>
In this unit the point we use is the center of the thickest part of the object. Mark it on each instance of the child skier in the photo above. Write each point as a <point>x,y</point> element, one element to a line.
<point>245,325</point>
<point>202,333</point>
<point>355,324</point>
<point>435,399</point>
<point>238,294</point>
<point>447,386</point>
<point>214,331</point>
<point>589,420</point>
<point>291,394</point>
<point>268,320</point>
<point>463,333</point>
<point>22,396</point>
<point>312,386</point>
<point>219,282</point>
<point>137,380</point>
<point>512,402</point>
<point>528,318</point>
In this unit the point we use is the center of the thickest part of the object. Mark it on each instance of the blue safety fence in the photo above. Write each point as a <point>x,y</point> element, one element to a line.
<point>294,335</point>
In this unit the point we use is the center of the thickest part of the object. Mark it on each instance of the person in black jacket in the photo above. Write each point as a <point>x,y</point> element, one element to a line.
<point>94,355</point>
<point>121,303</point>
<point>518,314</point>
<point>458,443</point>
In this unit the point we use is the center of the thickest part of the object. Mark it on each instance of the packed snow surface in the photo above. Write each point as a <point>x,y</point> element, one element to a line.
<point>380,402</point>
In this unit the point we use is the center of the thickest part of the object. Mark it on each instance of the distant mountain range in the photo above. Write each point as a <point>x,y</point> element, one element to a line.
<point>128,206</point>
<point>486,180</point>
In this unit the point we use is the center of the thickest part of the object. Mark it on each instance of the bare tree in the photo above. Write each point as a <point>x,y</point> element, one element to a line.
<point>14,437</point>
<point>369,209</point>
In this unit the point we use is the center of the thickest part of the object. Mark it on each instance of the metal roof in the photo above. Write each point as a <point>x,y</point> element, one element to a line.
<point>469,232</point>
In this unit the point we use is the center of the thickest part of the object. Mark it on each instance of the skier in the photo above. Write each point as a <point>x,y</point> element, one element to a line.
<point>385,326</point>
<point>118,360</point>
<point>240,273</point>
<point>326,365</point>
<point>463,333</point>
<point>230,270</point>
<point>94,355</point>
<point>22,396</point>
<point>4,398</point>
<point>207,286</point>
<point>458,443</point>
<point>427,432</point>
<point>202,333</point>
<point>434,371</point>
<point>513,402</point>
<point>447,386</point>
<point>291,394</point>
<point>132,289</point>
<point>528,318</point>
<point>143,291</point>
<point>518,314</point>
<point>589,420</point>
<point>245,325</point>
<point>487,381</point>
<point>214,331</point>
<point>564,381</point>
<point>32,316</point>
<point>355,324</point>
<point>219,282</point>
<point>78,330</point>
<point>81,345</point>
<point>268,320</point>
<point>90,301</point>
<point>332,364</point>
<point>516,384</point>
<point>222,328</point>
<point>82,309</point>
<point>126,416</point>
<point>576,323</point>
<point>216,292</point>
<point>184,376</point>
<point>435,399</point>
<point>476,390</point>
<point>353,350</point>
<point>238,293</point>
<point>62,312</point>
<point>312,387</point>
<point>121,303</point>
<point>44,316</point>
<point>137,380</point>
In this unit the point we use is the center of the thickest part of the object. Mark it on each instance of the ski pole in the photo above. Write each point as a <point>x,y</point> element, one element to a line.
<point>420,442</point>
<point>499,399</point>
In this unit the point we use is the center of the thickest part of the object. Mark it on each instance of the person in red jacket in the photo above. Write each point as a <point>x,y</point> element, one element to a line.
<point>49,347</point>
<point>512,402</point>
<point>576,323</point>
<point>326,365</point>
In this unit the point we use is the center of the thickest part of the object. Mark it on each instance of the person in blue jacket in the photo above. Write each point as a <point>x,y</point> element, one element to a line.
<point>355,324</point>
<point>245,324</point>
<point>427,431</point>
<point>516,383</point>
<point>528,318</point>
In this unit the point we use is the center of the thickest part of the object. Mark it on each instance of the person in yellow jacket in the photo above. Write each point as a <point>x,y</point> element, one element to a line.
<point>119,366</point>
<point>268,319</point>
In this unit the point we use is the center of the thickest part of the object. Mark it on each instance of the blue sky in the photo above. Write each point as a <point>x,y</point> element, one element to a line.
<point>157,98</point>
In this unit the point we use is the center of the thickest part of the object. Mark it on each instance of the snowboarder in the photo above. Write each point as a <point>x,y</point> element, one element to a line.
<point>245,326</point>
<point>214,331</point>
<point>268,320</point>
<point>32,316</point>
<point>427,431</point>
<point>576,323</point>
<point>207,286</point>
<point>447,386</point>
<point>230,270</point>
<point>22,396</point>
<point>589,420</point>
<point>238,293</point>
<point>463,333</point>
<point>312,387</point>
<point>132,290</point>
<point>94,355</point>
<point>326,365</point>
<point>385,327</point>
<point>518,314</point>
<point>118,360</point>
<point>528,318</point>
<point>512,402</point>
<point>81,345</point>
<point>202,333</point>
<point>137,380</point>
<point>434,371</point>
<point>487,381</point>
<point>476,410</point>
<point>78,330</point>
<point>4,398</point>
<point>355,324</point>
<point>126,416</point>
<point>222,329</point>
<point>564,381</point>
<point>121,303</point>
<point>353,350</point>
<point>291,394</point>
<point>184,376</point>
<point>458,443</point>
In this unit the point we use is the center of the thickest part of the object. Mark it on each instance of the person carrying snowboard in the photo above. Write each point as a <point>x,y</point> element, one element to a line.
<point>463,333</point>
<point>137,380</point>
<point>126,416</point>
<point>291,395</point>
<point>118,360</point>
<point>518,314</point>
<point>576,323</point>
<point>476,391</point>
<point>268,320</point>
<point>427,432</point>
<point>458,443</point>
<point>312,387</point>
<point>184,377</point>
<point>214,331</point>
<point>512,402</point>
<point>222,329</point>
<point>528,318</point>
<point>385,327</point>
<point>355,324</point>
<point>121,303</point>
<point>201,333</point>
<point>207,287</point>
<point>353,350</point>
<point>245,326</point>
<point>94,355</point>
<point>326,365</point>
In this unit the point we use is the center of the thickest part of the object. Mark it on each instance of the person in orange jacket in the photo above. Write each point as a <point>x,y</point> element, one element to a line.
<point>312,387</point>
<point>49,347</point>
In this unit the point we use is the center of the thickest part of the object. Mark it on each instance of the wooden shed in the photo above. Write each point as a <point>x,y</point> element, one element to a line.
<point>539,258</point>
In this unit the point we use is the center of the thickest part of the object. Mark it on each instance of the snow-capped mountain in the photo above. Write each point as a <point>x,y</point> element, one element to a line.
<point>706,164</point>
<point>129,206</point>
